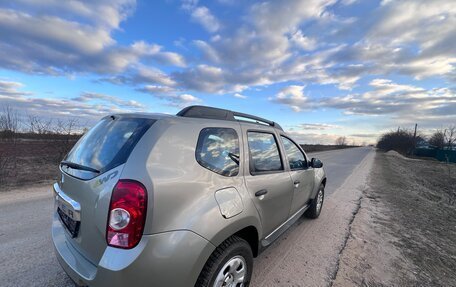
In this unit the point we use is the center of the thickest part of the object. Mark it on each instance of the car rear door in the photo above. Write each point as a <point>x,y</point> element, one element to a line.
<point>266,178</point>
<point>301,174</point>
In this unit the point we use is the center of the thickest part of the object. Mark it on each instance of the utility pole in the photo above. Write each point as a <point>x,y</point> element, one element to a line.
<point>414,137</point>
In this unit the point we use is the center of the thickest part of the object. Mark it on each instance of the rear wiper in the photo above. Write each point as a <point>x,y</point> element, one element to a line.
<point>78,166</point>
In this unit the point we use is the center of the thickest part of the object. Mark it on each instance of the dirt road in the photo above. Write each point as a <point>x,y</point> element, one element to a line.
<point>306,255</point>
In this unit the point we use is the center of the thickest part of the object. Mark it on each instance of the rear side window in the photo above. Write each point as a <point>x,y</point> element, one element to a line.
<point>264,153</point>
<point>107,145</point>
<point>296,158</point>
<point>218,150</point>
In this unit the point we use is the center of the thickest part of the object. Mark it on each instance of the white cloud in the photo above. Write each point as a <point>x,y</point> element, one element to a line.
<point>405,103</point>
<point>284,42</point>
<point>90,96</point>
<point>140,75</point>
<point>292,96</point>
<point>303,42</point>
<point>98,12</point>
<point>304,137</point>
<point>348,2</point>
<point>317,126</point>
<point>58,39</point>
<point>155,89</point>
<point>271,44</point>
<point>201,15</point>
<point>208,51</point>
<point>187,98</point>
<point>10,88</point>
<point>396,103</point>
<point>239,96</point>
<point>88,106</point>
<point>204,16</point>
<point>170,96</point>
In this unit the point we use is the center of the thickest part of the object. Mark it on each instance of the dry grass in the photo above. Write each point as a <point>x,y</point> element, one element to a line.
<point>30,161</point>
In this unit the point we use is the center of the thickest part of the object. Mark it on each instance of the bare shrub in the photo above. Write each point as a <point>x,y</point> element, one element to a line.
<point>450,136</point>
<point>341,141</point>
<point>402,141</point>
<point>67,130</point>
<point>9,123</point>
<point>40,126</point>
<point>437,139</point>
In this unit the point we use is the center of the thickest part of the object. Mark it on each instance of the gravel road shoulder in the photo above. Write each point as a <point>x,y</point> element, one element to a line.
<point>404,233</point>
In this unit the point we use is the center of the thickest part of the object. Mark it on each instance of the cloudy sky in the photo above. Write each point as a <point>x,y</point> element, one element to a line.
<point>321,68</point>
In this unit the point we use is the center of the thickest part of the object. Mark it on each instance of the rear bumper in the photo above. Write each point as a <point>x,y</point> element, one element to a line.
<point>172,258</point>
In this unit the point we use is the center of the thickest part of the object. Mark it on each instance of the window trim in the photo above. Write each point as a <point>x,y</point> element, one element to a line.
<point>251,168</point>
<point>299,148</point>
<point>205,164</point>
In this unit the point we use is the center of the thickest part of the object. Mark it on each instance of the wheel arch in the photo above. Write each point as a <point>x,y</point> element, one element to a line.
<point>324,182</point>
<point>320,178</point>
<point>247,228</point>
<point>250,234</point>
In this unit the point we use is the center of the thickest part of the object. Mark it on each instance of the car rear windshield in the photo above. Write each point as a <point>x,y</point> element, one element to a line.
<point>107,145</point>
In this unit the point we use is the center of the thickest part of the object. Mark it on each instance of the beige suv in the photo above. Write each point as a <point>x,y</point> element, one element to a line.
<point>185,200</point>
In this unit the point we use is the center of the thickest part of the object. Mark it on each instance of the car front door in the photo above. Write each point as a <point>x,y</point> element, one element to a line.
<point>302,175</point>
<point>266,177</point>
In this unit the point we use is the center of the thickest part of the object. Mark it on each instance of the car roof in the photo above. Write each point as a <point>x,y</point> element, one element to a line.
<point>207,113</point>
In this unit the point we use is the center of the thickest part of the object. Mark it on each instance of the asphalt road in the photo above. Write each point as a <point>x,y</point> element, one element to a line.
<point>26,251</point>
<point>339,164</point>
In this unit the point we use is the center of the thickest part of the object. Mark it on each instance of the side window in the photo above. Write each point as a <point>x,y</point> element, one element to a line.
<point>296,158</point>
<point>264,152</point>
<point>218,150</point>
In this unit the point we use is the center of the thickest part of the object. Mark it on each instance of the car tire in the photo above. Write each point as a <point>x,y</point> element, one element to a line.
<point>317,204</point>
<point>235,257</point>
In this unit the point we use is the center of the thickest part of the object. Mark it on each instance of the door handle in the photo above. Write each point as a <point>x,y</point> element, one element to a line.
<point>261,192</point>
<point>297,182</point>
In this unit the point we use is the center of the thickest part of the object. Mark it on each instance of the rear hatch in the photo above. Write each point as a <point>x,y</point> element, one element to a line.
<point>89,173</point>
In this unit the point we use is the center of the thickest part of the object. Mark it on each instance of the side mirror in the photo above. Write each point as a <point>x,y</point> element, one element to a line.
<point>316,163</point>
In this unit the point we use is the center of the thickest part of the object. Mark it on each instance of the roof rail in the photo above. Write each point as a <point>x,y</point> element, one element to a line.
<point>221,114</point>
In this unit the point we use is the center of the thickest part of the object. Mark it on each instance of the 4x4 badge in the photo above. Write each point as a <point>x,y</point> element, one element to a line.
<point>102,180</point>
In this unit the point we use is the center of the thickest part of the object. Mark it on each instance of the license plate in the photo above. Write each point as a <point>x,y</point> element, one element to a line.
<point>69,211</point>
<point>71,225</point>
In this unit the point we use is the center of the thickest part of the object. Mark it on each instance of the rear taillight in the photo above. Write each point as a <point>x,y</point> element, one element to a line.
<point>127,214</point>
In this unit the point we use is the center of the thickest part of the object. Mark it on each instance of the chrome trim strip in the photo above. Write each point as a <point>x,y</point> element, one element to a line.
<point>62,198</point>
<point>284,226</point>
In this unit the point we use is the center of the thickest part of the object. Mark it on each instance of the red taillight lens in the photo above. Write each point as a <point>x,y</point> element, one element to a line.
<point>127,214</point>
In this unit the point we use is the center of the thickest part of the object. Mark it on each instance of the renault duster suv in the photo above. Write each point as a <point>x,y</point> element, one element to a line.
<point>185,200</point>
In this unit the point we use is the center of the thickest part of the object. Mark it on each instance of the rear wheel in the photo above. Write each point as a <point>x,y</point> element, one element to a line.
<point>317,204</point>
<point>229,265</point>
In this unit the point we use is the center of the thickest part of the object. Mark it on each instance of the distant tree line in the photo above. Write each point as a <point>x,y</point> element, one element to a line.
<point>405,141</point>
<point>25,126</point>
<point>48,140</point>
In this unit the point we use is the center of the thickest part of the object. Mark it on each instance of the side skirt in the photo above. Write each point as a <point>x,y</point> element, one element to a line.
<point>283,227</point>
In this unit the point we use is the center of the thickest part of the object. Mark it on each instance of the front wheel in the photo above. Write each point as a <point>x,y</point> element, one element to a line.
<point>317,203</point>
<point>229,265</point>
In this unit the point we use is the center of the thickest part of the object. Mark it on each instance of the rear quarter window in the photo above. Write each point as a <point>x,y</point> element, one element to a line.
<point>218,150</point>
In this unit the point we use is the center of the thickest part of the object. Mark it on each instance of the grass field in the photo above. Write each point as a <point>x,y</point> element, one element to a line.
<point>24,161</point>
